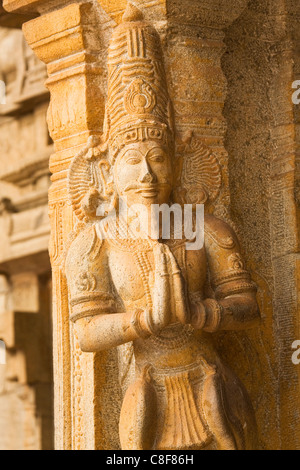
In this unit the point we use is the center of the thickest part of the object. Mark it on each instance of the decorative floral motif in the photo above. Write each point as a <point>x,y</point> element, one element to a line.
<point>199,173</point>
<point>86,282</point>
<point>236,262</point>
<point>139,98</point>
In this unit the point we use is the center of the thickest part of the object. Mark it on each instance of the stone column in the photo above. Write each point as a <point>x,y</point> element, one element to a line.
<point>72,38</point>
<point>263,141</point>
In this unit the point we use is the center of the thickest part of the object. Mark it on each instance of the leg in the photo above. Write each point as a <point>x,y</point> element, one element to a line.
<point>138,419</point>
<point>214,409</point>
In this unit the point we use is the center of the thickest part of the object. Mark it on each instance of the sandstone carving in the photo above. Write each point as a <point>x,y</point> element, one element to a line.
<point>148,296</point>
<point>21,71</point>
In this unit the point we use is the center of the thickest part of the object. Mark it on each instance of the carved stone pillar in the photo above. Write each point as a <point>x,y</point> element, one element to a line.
<point>72,39</point>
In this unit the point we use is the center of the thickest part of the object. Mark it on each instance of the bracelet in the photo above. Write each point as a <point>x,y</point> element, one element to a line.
<point>149,322</point>
<point>200,309</point>
<point>214,315</point>
<point>136,324</point>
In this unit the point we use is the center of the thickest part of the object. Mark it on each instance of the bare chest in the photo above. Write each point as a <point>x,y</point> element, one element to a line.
<point>133,272</point>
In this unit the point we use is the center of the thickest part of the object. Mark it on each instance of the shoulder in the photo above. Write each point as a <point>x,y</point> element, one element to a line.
<point>85,248</point>
<point>90,288</point>
<point>219,234</point>
<point>228,272</point>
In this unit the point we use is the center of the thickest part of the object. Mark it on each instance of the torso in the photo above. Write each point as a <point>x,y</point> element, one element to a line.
<point>184,367</point>
<point>132,271</point>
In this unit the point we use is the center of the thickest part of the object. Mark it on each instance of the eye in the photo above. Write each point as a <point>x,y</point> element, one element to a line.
<point>157,158</point>
<point>133,160</point>
<point>132,157</point>
<point>156,155</point>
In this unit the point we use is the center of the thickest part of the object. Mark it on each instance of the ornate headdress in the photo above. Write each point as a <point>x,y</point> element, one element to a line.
<point>138,108</point>
<point>138,105</point>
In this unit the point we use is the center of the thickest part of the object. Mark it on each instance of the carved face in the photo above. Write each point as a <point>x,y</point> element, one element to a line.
<point>143,173</point>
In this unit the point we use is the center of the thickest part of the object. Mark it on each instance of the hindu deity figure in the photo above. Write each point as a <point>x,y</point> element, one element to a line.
<point>158,302</point>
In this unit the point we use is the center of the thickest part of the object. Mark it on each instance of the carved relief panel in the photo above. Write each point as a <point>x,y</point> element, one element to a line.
<point>158,303</point>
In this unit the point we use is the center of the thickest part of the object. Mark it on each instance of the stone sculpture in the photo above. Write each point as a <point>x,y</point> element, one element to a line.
<point>157,302</point>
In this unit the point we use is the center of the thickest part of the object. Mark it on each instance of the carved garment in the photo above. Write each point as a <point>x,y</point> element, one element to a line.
<point>184,366</point>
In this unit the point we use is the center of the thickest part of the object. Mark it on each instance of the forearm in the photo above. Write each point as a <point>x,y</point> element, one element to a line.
<point>236,312</point>
<point>106,331</point>
<point>239,312</point>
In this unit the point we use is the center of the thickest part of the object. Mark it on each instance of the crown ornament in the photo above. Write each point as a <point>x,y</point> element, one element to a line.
<point>139,98</point>
<point>138,109</point>
<point>138,104</point>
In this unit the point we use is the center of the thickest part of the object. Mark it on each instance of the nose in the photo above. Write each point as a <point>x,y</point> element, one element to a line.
<point>146,175</point>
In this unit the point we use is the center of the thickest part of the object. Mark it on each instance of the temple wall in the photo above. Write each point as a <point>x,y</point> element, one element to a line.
<point>260,65</point>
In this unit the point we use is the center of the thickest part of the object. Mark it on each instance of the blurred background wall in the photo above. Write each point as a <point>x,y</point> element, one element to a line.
<point>26,395</point>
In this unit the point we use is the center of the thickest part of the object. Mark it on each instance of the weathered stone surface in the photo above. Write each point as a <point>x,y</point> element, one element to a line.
<point>260,66</point>
<point>248,50</point>
<point>146,294</point>
<point>14,20</point>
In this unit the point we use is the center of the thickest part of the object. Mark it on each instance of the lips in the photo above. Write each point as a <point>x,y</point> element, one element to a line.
<point>149,191</point>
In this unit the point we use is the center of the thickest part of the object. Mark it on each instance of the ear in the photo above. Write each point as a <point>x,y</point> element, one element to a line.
<point>88,180</point>
<point>200,176</point>
<point>91,202</point>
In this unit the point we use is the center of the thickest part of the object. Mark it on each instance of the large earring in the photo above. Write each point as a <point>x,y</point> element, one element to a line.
<point>89,182</point>
<point>109,193</point>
